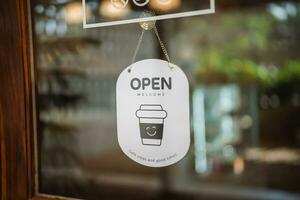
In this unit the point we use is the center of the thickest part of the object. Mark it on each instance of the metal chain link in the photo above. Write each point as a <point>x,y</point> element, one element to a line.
<point>138,46</point>
<point>163,47</point>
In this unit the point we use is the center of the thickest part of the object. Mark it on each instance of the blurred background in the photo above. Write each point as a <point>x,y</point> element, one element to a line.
<point>243,64</point>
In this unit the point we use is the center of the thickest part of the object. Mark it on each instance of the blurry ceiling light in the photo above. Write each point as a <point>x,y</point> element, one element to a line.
<point>51,11</point>
<point>278,11</point>
<point>246,122</point>
<point>39,8</point>
<point>39,26</point>
<point>165,5</point>
<point>61,28</point>
<point>74,13</point>
<point>107,9</point>
<point>50,26</point>
<point>238,166</point>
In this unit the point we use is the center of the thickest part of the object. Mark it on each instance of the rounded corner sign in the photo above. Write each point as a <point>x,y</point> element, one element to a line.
<point>153,116</point>
<point>181,8</point>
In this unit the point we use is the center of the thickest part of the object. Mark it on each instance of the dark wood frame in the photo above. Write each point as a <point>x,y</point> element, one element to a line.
<point>16,112</point>
<point>14,99</point>
<point>16,116</point>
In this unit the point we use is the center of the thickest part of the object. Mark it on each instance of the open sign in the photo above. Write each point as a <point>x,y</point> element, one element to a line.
<point>127,14</point>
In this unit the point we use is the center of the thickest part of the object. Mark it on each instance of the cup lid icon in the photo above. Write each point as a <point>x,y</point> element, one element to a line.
<point>151,111</point>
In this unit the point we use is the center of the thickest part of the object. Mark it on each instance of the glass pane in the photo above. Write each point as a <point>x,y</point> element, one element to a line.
<point>243,65</point>
<point>116,10</point>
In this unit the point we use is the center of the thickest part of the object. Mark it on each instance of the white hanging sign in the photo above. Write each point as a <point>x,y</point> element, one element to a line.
<point>153,116</point>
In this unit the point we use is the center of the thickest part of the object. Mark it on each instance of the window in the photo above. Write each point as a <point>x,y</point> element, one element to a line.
<point>243,65</point>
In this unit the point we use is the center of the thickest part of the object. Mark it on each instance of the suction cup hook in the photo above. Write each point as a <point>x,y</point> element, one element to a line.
<point>147,25</point>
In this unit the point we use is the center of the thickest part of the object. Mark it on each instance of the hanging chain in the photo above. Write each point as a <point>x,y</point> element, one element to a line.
<point>163,47</point>
<point>138,46</point>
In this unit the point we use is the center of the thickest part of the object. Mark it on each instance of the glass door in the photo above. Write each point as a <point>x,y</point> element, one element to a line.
<point>243,65</point>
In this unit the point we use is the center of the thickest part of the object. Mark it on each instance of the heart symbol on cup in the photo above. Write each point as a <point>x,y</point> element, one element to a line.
<point>151,131</point>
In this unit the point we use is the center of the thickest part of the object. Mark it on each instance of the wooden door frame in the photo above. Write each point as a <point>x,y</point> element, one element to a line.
<point>16,121</point>
<point>17,166</point>
<point>14,98</point>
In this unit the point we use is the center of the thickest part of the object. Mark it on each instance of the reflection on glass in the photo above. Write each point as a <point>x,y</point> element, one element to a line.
<point>219,126</point>
<point>107,9</point>
<point>243,64</point>
<point>130,9</point>
<point>165,5</point>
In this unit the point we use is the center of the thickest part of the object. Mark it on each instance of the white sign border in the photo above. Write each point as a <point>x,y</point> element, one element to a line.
<point>211,10</point>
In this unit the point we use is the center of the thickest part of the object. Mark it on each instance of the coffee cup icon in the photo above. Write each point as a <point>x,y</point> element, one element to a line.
<point>151,122</point>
